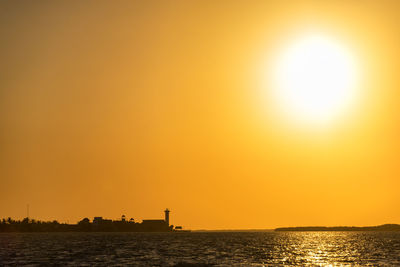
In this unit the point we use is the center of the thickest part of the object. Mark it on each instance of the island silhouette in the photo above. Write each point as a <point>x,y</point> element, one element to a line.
<point>98,224</point>
<point>384,227</point>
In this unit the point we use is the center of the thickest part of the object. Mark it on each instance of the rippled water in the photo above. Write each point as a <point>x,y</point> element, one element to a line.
<point>202,248</point>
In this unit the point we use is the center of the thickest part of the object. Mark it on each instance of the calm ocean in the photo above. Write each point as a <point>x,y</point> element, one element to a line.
<point>201,249</point>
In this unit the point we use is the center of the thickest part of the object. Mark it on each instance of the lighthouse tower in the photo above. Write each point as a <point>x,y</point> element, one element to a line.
<point>167,216</point>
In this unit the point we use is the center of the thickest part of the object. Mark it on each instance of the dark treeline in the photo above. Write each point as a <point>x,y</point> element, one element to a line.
<point>31,225</point>
<point>100,225</point>
<point>385,227</point>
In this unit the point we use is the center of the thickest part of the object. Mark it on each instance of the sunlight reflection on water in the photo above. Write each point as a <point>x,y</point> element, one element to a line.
<point>202,248</point>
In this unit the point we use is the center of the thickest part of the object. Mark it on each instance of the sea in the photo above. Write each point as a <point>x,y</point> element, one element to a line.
<point>201,249</point>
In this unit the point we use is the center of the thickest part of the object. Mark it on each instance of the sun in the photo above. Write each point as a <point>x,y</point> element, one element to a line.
<point>314,79</point>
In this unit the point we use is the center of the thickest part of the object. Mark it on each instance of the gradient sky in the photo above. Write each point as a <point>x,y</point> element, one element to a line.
<point>129,107</point>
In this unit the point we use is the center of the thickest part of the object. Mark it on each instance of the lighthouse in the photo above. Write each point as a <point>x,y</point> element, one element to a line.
<point>166,211</point>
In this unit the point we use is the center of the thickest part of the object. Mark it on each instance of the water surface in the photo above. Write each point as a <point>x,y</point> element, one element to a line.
<point>202,249</point>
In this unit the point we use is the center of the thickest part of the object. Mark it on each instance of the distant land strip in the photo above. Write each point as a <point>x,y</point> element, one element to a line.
<point>384,227</point>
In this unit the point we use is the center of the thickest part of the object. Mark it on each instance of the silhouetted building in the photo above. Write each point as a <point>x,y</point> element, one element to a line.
<point>154,225</point>
<point>167,216</point>
<point>153,222</point>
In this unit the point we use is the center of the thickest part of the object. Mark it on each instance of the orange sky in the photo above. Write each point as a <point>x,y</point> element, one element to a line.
<point>124,107</point>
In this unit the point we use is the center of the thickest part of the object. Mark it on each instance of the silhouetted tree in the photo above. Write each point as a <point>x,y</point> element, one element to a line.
<point>84,225</point>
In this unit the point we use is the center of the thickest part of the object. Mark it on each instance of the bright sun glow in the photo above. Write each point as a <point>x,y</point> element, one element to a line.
<point>315,79</point>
